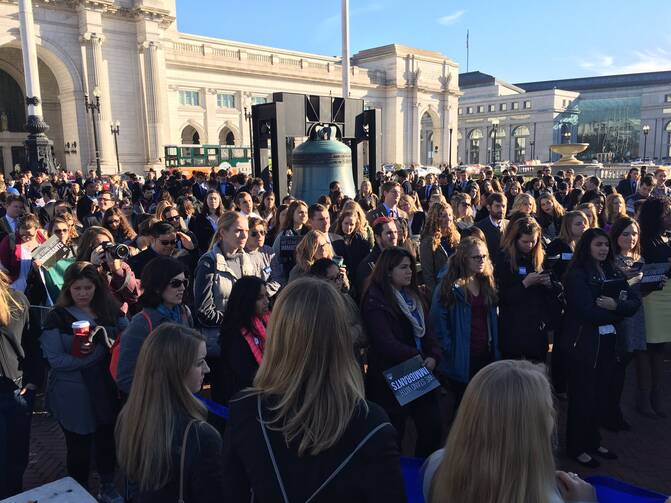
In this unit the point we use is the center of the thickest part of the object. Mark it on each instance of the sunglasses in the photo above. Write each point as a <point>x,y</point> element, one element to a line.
<point>176,283</point>
<point>168,242</point>
<point>170,219</point>
<point>256,234</point>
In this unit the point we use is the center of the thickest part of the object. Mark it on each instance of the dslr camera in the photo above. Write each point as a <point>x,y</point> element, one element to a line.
<point>119,251</point>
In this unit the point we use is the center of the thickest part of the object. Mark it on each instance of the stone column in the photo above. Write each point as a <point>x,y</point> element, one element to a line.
<point>151,83</point>
<point>97,80</point>
<point>38,146</point>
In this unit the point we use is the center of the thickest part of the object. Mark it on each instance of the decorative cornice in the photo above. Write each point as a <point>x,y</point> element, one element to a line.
<point>102,6</point>
<point>161,16</point>
<point>92,37</point>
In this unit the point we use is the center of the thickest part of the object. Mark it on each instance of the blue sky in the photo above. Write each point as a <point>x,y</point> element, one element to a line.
<point>516,40</point>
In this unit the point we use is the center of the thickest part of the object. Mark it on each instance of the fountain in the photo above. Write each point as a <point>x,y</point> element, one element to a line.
<point>568,152</point>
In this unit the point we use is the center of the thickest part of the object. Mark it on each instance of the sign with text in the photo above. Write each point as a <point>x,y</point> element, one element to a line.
<point>50,252</point>
<point>410,380</point>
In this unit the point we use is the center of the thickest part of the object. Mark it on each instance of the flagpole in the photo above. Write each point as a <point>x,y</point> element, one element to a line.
<point>467,50</point>
<point>345,49</point>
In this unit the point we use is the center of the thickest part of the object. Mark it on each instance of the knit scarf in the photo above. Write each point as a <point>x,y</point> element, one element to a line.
<point>256,338</point>
<point>412,310</point>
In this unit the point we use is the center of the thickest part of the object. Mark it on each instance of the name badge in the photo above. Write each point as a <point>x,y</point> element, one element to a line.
<point>566,256</point>
<point>606,330</point>
<point>523,271</point>
<point>268,270</point>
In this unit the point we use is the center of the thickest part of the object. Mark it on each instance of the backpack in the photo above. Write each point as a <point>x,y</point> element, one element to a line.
<point>115,350</point>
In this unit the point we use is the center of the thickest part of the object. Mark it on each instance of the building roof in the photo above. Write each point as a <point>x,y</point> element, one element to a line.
<point>602,82</point>
<point>475,79</point>
<point>400,50</point>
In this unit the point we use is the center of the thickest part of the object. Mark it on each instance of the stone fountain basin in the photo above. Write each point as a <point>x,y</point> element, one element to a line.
<point>568,152</point>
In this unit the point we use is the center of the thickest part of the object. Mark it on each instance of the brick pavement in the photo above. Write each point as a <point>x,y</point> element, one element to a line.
<point>644,453</point>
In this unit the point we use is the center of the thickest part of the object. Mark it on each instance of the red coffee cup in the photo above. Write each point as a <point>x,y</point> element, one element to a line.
<point>81,331</point>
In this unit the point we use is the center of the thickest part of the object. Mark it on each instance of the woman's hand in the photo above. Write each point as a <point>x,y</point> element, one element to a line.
<point>113,264</point>
<point>535,278</point>
<point>573,488</point>
<point>187,243</point>
<point>37,263</point>
<point>607,303</point>
<point>430,363</point>
<point>98,256</point>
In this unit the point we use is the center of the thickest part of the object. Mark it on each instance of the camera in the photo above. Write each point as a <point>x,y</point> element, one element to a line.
<point>119,251</point>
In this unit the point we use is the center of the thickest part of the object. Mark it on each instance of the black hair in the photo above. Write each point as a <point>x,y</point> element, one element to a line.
<point>321,267</point>
<point>161,229</point>
<point>650,218</point>
<point>241,306</point>
<point>582,256</point>
<point>156,276</point>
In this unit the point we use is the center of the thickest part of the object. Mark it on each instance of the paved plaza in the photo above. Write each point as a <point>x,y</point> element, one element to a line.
<point>645,456</point>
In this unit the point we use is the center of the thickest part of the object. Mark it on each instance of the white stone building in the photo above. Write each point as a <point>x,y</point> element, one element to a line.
<point>166,87</point>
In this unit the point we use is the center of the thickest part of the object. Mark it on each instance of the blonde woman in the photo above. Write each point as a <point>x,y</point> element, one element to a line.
<point>416,216</point>
<point>19,377</point>
<point>361,219</point>
<point>524,203</point>
<point>463,210</point>
<point>366,198</point>
<point>440,238</point>
<point>306,420</point>
<point>351,225</point>
<point>162,420</point>
<point>615,208</point>
<point>313,246</point>
<point>499,449</point>
<point>590,212</point>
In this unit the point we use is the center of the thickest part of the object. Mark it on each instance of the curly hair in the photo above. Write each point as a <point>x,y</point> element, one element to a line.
<point>432,227</point>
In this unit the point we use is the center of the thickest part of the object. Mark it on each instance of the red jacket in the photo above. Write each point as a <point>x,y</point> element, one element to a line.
<point>10,253</point>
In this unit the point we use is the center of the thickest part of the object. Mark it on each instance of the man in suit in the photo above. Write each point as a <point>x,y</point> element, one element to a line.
<point>629,186</point>
<point>46,212</point>
<point>494,224</point>
<point>446,183</point>
<point>405,183</point>
<point>391,195</point>
<point>15,206</point>
<point>462,181</point>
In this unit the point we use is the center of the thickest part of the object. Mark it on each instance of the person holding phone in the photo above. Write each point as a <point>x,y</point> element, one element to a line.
<point>588,341</point>
<point>528,296</point>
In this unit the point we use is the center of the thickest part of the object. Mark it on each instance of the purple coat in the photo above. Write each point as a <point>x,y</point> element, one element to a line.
<point>391,343</point>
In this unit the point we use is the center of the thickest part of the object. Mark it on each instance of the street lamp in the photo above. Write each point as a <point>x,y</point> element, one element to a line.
<point>248,118</point>
<point>94,106</point>
<point>646,130</point>
<point>566,136</point>
<point>495,129</point>
<point>449,155</point>
<point>533,151</point>
<point>114,128</point>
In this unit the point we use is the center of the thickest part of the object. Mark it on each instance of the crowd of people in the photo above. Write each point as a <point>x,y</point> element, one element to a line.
<point>514,292</point>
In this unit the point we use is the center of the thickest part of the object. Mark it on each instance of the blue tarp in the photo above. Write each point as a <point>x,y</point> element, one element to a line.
<point>608,490</point>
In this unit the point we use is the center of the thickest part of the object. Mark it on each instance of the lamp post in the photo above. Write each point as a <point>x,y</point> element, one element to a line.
<point>449,154</point>
<point>93,107</point>
<point>495,129</point>
<point>114,128</point>
<point>248,118</point>
<point>566,136</point>
<point>646,130</point>
<point>533,151</point>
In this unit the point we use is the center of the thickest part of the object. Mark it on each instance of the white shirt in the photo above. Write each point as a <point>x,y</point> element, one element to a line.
<point>12,222</point>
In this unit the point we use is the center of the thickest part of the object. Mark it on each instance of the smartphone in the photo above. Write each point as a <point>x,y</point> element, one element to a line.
<point>338,260</point>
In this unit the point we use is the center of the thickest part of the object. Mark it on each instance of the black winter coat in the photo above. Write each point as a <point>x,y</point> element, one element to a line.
<point>525,314</point>
<point>580,335</point>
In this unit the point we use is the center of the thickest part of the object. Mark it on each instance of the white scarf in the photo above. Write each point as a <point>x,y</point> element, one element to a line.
<point>418,327</point>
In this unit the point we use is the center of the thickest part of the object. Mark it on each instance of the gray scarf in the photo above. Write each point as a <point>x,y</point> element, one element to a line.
<point>409,308</point>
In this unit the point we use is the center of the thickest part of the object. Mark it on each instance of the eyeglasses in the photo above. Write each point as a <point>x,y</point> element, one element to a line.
<point>256,234</point>
<point>479,258</point>
<point>176,283</point>
<point>170,219</point>
<point>168,242</point>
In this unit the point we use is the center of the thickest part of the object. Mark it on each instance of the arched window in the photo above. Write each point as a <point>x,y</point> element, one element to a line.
<point>226,137</point>
<point>500,135</point>
<point>12,109</point>
<point>667,130</point>
<point>426,140</point>
<point>190,136</point>
<point>520,134</point>
<point>474,138</point>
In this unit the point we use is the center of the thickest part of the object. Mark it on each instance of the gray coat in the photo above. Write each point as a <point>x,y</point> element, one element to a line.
<point>432,261</point>
<point>212,288</point>
<point>68,397</point>
<point>263,260</point>
<point>134,337</point>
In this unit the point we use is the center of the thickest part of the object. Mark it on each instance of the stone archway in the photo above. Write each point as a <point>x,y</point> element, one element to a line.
<point>60,91</point>
<point>426,140</point>
<point>229,135</point>
<point>190,136</point>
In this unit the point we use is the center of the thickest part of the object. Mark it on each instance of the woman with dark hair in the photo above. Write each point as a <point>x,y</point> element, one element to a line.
<point>395,316</point>
<point>16,250</point>
<point>268,207</point>
<point>163,287</point>
<point>288,236</point>
<point>573,198</point>
<point>477,202</point>
<point>277,222</point>
<point>80,392</point>
<point>598,199</point>
<point>598,297</point>
<point>655,221</point>
<point>528,297</point>
<point>115,221</point>
<point>204,223</point>
<point>242,338</point>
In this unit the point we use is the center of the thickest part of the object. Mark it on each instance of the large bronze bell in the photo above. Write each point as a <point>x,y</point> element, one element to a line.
<point>318,162</point>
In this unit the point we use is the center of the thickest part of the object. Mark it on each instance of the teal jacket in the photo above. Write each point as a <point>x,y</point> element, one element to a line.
<point>452,327</point>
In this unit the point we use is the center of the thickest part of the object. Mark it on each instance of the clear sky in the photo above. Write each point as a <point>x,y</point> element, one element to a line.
<point>515,40</point>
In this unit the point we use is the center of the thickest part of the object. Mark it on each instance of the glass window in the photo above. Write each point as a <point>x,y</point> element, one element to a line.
<point>527,104</point>
<point>259,100</point>
<point>474,146</point>
<point>481,109</point>
<point>667,98</point>
<point>503,107</point>
<point>225,100</point>
<point>460,111</point>
<point>189,98</point>
<point>492,108</point>
<point>515,105</point>
<point>469,110</point>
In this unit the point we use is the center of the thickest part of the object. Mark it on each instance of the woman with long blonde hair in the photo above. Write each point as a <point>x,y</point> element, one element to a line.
<point>163,420</point>
<point>439,240</point>
<point>463,210</point>
<point>351,225</point>
<point>416,216</point>
<point>524,203</point>
<point>463,313</point>
<point>616,208</point>
<point>499,449</point>
<point>528,296</point>
<point>306,418</point>
<point>313,246</point>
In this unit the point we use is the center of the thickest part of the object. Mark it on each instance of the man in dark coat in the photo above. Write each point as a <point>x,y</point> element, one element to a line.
<point>494,224</point>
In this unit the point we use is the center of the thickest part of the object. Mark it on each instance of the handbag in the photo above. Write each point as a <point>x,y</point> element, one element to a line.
<point>182,460</point>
